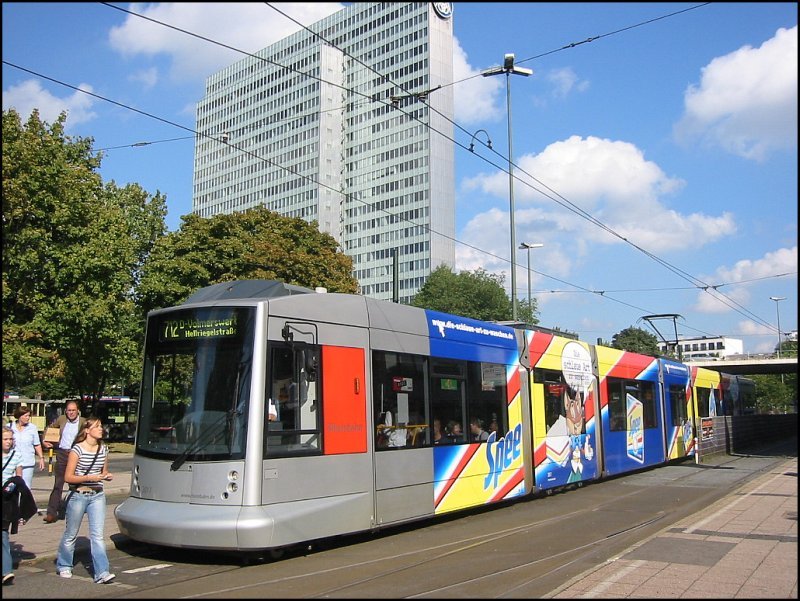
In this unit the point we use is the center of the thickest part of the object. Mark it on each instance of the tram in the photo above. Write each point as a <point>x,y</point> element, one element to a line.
<point>271,415</point>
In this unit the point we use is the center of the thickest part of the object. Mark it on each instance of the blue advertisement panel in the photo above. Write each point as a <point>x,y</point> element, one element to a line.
<point>470,339</point>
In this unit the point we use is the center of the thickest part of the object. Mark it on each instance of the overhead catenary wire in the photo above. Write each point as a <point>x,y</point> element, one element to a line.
<point>730,303</point>
<point>572,207</point>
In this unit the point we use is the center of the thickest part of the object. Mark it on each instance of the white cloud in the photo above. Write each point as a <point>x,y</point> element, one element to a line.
<point>749,328</point>
<point>746,101</point>
<point>244,26</point>
<point>28,95</point>
<point>781,261</point>
<point>476,99</point>
<point>147,77</point>
<point>565,81</point>
<point>612,181</point>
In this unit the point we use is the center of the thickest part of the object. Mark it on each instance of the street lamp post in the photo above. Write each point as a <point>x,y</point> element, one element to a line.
<point>508,68</point>
<point>778,299</point>
<point>528,247</point>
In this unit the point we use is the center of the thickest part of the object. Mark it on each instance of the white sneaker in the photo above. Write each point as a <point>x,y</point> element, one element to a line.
<point>106,579</point>
<point>65,573</point>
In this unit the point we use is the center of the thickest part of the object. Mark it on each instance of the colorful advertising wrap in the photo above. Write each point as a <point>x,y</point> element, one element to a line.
<point>481,472</point>
<point>567,452</point>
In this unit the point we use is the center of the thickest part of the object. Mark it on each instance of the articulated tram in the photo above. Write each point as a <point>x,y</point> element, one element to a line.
<point>271,415</point>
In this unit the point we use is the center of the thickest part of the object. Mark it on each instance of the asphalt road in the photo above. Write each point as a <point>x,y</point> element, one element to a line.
<point>523,549</point>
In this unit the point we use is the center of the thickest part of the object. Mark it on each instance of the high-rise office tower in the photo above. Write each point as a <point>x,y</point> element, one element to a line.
<point>345,123</point>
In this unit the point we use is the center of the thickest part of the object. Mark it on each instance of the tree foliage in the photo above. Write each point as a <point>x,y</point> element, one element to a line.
<point>635,340</point>
<point>254,244</point>
<point>788,348</point>
<point>775,393</point>
<point>72,251</point>
<point>476,294</point>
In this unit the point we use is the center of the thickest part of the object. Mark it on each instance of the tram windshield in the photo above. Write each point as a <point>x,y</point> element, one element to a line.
<point>196,384</point>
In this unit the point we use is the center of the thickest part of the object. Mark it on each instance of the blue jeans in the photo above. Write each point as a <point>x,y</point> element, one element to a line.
<point>94,505</point>
<point>8,565</point>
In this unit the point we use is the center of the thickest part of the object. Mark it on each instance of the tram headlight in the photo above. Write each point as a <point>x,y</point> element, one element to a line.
<point>233,475</point>
<point>232,487</point>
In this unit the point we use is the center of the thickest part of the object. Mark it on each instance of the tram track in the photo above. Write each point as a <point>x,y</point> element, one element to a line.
<point>546,551</point>
<point>463,550</point>
<point>527,548</point>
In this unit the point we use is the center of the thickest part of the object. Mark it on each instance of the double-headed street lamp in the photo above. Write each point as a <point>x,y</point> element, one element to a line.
<point>508,68</point>
<point>778,299</point>
<point>528,247</point>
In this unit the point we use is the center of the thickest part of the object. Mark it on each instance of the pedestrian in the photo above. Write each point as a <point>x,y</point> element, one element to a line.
<point>12,466</point>
<point>87,469</point>
<point>27,443</point>
<point>68,424</point>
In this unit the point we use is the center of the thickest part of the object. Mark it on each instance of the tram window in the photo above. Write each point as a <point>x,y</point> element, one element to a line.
<point>554,388</point>
<point>448,398</point>
<point>617,410</point>
<point>677,401</point>
<point>703,394</point>
<point>400,400</point>
<point>648,398</point>
<point>640,390</point>
<point>486,396</point>
<point>294,390</point>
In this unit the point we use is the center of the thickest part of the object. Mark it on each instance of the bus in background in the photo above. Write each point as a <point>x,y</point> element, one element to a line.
<point>118,415</point>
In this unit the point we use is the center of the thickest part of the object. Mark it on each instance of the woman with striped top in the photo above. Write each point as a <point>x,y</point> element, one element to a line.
<point>87,469</point>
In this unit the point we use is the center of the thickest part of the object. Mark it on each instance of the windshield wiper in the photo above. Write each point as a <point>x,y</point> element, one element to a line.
<point>202,440</point>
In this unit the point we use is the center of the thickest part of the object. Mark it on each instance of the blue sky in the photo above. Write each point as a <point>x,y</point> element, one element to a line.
<point>652,161</point>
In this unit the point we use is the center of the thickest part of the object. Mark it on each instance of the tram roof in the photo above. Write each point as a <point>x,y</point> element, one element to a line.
<point>245,289</point>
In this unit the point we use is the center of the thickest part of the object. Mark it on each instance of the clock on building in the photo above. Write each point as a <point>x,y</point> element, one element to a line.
<point>443,9</point>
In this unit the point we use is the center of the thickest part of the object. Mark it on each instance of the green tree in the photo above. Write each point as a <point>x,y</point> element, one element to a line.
<point>253,244</point>
<point>775,394</point>
<point>526,311</point>
<point>476,294</point>
<point>635,340</point>
<point>789,348</point>
<point>72,249</point>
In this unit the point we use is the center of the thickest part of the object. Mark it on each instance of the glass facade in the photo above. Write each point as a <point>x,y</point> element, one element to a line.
<point>337,132</point>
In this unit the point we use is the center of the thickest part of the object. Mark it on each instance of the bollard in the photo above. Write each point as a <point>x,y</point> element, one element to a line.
<point>50,461</point>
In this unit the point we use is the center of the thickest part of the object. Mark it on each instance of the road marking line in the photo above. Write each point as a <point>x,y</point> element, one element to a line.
<point>148,568</point>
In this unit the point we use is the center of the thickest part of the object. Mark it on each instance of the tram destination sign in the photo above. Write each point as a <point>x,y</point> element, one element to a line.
<point>192,329</point>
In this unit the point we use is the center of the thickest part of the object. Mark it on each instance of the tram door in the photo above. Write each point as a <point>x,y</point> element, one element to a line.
<point>706,389</point>
<point>679,417</point>
<point>316,456</point>
<point>403,458</point>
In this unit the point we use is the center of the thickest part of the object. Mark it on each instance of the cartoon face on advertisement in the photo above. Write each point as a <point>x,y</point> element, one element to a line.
<point>576,365</point>
<point>573,406</point>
